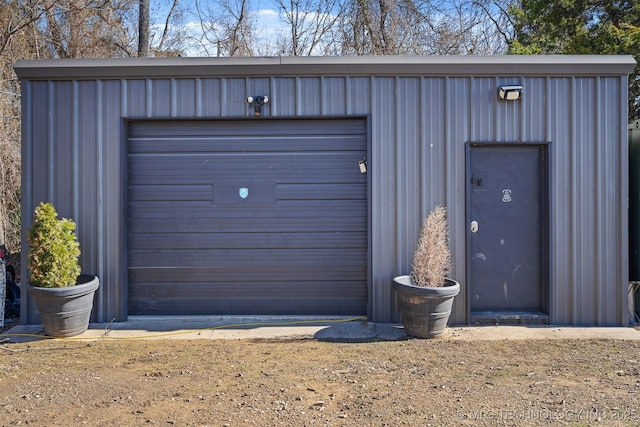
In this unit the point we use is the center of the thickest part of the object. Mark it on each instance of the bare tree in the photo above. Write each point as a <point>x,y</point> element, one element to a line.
<point>143,28</point>
<point>227,28</point>
<point>384,27</point>
<point>311,25</point>
<point>171,29</point>
<point>16,41</point>
<point>31,29</point>
<point>420,27</point>
<point>85,28</point>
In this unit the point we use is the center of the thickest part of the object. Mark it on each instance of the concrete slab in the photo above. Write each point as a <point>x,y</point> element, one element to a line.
<point>341,329</point>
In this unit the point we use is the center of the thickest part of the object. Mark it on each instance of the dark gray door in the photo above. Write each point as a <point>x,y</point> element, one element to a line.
<point>247,217</point>
<point>507,228</point>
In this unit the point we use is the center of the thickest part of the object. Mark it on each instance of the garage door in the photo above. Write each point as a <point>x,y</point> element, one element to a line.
<point>247,217</point>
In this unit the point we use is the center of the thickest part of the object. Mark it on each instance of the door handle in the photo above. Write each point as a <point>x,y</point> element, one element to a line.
<point>474,226</point>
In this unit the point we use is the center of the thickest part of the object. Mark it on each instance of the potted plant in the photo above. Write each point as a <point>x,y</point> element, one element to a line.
<point>425,297</point>
<point>63,296</point>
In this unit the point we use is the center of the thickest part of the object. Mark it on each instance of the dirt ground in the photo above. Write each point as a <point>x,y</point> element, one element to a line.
<point>309,382</point>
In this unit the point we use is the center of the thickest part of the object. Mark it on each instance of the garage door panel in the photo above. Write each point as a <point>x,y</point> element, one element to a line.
<point>320,191</point>
<point>259,277</point>
<point>203,192</point>
<point>247,128</point>
<point>222,145</point>
<point>309,210</point>
<point>267,259</point>
<point>198,243</point>
<point>302,289</point>
<point>255,306</point>
<point>228,240</point>
<point>169,170</point>
<point>171,193</point>
<point>238,225</point>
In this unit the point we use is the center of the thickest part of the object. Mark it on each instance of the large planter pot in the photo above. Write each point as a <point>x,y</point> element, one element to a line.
<point>425,311</point>
<point>65,312</point>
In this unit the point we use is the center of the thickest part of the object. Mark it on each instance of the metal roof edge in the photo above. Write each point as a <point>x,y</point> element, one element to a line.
<point>466,65</point>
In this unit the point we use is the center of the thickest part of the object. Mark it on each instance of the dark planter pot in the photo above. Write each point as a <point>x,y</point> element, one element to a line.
<point>65,312</point>
<point>425,311</point>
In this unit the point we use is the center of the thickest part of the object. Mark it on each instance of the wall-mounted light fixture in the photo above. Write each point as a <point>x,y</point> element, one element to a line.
<point>257,102</point>
<point>510,93</point>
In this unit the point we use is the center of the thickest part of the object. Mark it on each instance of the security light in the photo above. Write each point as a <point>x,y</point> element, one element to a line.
<point>510,93</point>
<point>257,102</point>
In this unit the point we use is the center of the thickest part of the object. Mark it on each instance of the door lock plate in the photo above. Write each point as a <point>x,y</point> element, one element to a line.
<point>474,226</point>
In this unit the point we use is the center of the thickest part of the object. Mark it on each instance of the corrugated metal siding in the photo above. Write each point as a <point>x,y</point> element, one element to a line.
<point>419,125</point>
<point>296,245</point>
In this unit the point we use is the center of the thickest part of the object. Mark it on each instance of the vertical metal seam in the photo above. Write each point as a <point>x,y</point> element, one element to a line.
<point>104,293</point>
<point>323,86</point>
<point>247,91</point>
<point>496,118</point>
<point>423,151</point>
<point>398,171</point>
<point>124,91</point>
<point>198,96</point>
<point>348,107</point>
<point>523,110</point>
<point>297,96</point>
<point>575,310</point>
<point>75,144</point>
<point>273,102</point>
<point>51,141</point>
<point>552,237</point>
<point>26,203</point>
<point>622,230</point>
<point>599,161</point>
<point>174,98</point>
<point>148,99</point>
<point>223,97</point>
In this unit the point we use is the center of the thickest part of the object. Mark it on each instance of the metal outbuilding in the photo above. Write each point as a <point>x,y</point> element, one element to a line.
<point>297,185</point>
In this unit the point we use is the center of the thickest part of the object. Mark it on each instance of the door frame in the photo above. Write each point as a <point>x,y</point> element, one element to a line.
<point>545,191</point>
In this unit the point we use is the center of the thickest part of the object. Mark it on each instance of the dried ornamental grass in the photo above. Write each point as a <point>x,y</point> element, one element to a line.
<point>431,259</point>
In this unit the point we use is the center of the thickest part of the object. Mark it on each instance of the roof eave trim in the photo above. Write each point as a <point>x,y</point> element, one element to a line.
<point>574,65</point>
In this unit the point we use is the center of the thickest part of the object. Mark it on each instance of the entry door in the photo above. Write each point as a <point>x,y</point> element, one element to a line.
<point>507,227</point>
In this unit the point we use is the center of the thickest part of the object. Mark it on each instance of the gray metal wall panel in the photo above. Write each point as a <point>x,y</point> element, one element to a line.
<point>158,98</point>
<point>110,206</point>
<point>408,193</point>
<point>485,123</point>
<point>534,119</point>
<point>358,95</point>
<point>458,112</point>
<point>183,98</point>
<point>134,93</point>
<point>560,206</point>
<point>309,96</point>
<point>87,178</point>
<point>384,257</point>
<point>582,118</point>
<point>61,133</point>
<point>334,96</point>
<point>210,97</point>
<point>611,204</point>
<point>284,91</point>
<point>234,102</point>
